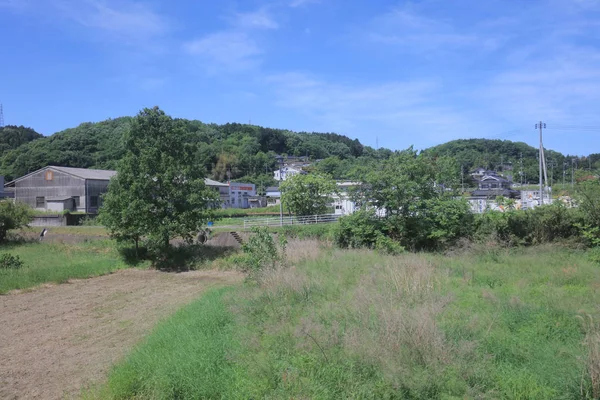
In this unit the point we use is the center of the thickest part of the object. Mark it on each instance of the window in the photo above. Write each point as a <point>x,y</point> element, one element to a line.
<point>94,201</point>
<point>40,202</point>
<point>49,175</point>
<point>77,201</point>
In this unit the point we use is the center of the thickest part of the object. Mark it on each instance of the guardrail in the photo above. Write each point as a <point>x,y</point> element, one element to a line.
<point>291,220</point>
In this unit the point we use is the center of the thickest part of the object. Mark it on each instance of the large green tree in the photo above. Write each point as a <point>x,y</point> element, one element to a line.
<point>309,194</point>
<point>159,191</point>
<point>415,210</point>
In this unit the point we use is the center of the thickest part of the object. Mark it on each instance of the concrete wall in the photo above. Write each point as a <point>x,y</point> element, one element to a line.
<point>50,220</point>
<point>49,183</point>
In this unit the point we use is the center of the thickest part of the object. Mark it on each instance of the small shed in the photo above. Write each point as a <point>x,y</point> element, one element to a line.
<point>60,203</point>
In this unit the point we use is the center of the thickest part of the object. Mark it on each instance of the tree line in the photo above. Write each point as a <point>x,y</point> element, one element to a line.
<point>246,153</point>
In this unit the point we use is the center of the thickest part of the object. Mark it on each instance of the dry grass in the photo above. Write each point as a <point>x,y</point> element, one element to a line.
<point>396,307</point>
<point>300,250</point>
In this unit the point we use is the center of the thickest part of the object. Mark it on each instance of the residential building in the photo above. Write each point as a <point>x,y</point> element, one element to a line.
<point>273,195</point>
<point>240,194</point>
<point>342,202</point>
<point>490,185</point>
<point>286,172</point>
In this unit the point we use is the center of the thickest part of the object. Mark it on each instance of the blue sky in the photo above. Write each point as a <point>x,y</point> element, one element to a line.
<point>401,72</point>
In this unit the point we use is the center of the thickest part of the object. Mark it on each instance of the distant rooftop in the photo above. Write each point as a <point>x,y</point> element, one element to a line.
<point>97,174</point>
<point>85,173</point>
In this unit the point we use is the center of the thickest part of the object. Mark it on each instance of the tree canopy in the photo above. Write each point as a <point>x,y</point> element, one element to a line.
<point>309,194</point>
<point>159,191</point>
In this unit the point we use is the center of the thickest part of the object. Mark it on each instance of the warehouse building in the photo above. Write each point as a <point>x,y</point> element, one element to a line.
<point>60,189</point>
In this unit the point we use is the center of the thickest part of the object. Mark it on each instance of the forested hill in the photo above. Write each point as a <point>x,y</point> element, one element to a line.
<point>247,152</point>
<point>12,136</point>
<point>235,151</point>
<point>512,158</point>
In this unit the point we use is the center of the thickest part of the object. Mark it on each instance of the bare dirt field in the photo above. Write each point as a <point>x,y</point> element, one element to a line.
<point>58,339</point>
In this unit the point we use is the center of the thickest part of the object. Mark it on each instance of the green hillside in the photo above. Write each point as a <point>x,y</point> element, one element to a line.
<point>513,158</point>
<point>245,152</point>
<point>234,151</point>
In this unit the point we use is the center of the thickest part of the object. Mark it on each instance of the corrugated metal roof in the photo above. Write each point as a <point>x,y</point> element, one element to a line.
<point>210,182</point>
<point>84,173</point>
<point>98,174</point>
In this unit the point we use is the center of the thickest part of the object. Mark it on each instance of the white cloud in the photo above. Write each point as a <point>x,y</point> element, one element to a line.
<point>232,51</point>
<point>299,3</point>
<point>394,108</point>
<point>123,20</point>
<point>259,19</point>
<point>408,29</point>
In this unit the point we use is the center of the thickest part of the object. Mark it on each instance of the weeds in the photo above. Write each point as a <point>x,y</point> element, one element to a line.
<point>327,323</point>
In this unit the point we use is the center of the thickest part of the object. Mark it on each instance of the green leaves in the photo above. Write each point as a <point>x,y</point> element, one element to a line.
<point>13,216</point>
<point>158,192</point>
<point>310,194</point>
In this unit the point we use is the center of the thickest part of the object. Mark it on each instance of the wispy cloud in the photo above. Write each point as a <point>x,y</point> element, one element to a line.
<point>235,48</point>
<point>299,3</point>
<point>124,20</point>
<point>403,109</point>
<point>260,19</point>
<point>232,51</point>
<point>408,29</point>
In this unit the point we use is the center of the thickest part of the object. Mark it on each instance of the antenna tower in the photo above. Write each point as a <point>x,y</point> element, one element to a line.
<point>1,116</point>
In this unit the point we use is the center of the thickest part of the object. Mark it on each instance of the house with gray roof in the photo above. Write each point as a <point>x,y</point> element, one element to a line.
<point>75,189</point>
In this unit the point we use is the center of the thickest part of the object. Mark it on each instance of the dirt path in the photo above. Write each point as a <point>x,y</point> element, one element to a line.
<point>58,339</point>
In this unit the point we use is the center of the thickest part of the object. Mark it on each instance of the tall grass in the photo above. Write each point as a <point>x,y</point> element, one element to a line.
<point>493,323</point>
<point>58,262</point>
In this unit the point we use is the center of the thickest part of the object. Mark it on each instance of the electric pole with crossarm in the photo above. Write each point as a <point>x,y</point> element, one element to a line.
<point>543,171</point>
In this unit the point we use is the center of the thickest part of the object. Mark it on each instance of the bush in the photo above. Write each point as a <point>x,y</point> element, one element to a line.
<point>13,216</point>
<point>386,245</point>
<point>261,251</point>
<point>361,229</point>
<point>543,224</point>
<point>8,261</point>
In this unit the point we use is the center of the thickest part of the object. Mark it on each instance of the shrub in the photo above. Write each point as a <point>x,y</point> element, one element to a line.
<point>526,227</point>
<point>386,245</point>
<point>361,229</point>
<point>13,215</point>
<point>261,251</point>
<point>8,261</point>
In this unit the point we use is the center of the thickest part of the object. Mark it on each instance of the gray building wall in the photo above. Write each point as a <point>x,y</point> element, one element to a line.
<point>95,190</point>
<point>40,185</point>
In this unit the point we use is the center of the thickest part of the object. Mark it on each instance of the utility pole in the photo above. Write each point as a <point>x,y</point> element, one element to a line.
<point>541,126</point>
<point>1,116</point>
<point>462,177</point>
<point>572,173</point>
<point>521,168</point>
<point>280,194</point>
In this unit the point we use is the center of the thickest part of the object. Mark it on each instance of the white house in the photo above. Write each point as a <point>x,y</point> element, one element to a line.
<point>342,203</point>
<point>286,172</point>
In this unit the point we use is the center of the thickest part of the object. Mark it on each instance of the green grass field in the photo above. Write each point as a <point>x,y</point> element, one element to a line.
<point>487,323</point>
<point>58,262</point>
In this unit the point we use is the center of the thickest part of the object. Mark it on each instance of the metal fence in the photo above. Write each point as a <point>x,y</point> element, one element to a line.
<point>291,220</point>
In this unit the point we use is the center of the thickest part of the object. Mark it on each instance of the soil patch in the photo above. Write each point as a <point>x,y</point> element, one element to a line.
<point>58,339</point>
